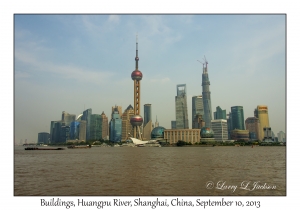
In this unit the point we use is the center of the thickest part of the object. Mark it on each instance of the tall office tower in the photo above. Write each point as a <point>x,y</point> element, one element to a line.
<point>74,130</point>
<point>253,125</point>
<point>237,118</point>
<point>86,116</point>
<point>206,96</point>
<point>60,132</point>
<point>261,112</point>
<point>67,118</point>
<point>147,114</point>
<point>198,122</point>
<point>126,126</point>
<point>116,108</point>
<point>65,133</point>
<point>104,126</point>
<point>82,130</point>
<point>173,124</point>
<point>182,121</point>
<point>219,127</point>
<point>147,128</point>
<point>95,127</point>
<point>43,137</point>
<point>197,107</point>
<point>115,126</point>
<point>229,123</point>
<point>136,120</point>
<point>52,127</point>
<point>219,113</point>
<point>281,136</point>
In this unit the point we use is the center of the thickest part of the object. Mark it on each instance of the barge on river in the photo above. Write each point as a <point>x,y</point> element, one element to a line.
<point>42,148</point>
<point>79,147</point>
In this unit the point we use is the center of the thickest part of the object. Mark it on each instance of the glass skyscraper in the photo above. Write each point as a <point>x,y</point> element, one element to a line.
<point>86,116</point>
<point>237,118</point>
<point>197,107</point>
<point>74,130</point>
<point>67,118</point>
<point>147,127</point>
<point>206,96</point>
<point>219,113</point>
<point>147,114</point>
<point>115,126</point>
<point>95,127</point>
<point>43,137</point>
<point>182,121</point>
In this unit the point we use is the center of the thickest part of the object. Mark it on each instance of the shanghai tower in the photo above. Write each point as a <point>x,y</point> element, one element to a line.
<point>206,95</point>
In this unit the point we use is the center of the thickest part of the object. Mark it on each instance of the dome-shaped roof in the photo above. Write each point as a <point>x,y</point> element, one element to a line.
<point>157,132</point>
<point>136,75</point>
<point>206,132</point>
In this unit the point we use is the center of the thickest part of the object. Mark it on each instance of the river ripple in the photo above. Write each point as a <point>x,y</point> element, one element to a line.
<point>149,171</point>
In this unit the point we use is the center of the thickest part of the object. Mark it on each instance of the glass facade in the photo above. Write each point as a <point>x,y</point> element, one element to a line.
<point>237,118</point>
<point>82,130</point>
<point>115,128</point>
<point>96,127</point>
<point>157,132</point>
<point>43,137</point>
<point>56,134</point>
<point>197,107</point>
<point>67,118</point>
<point>219,113</point>
<point>182,121</point>
<point>65,133</point>
<point>86,116</point>
<point>173,124</point>
<point>206,97</point>
<point>74,130</point>
<point>147,114</point>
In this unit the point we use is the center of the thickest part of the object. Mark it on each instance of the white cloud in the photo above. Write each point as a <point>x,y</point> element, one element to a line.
<point>70,71</point>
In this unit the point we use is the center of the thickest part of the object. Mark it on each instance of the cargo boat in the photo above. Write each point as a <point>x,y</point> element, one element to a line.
<point>79,147</point>
<point>39,148</point>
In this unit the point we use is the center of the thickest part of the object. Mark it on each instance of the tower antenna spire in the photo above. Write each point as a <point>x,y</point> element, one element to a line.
<point>136,54</point>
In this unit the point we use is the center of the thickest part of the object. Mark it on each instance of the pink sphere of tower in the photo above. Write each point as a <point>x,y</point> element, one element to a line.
<point>136,75</point>
<point>136,120</point>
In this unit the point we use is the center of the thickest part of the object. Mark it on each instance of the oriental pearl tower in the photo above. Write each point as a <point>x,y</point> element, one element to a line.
<point>136,120</point>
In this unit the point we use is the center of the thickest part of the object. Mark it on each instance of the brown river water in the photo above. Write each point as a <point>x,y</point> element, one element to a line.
<point>151,171</point>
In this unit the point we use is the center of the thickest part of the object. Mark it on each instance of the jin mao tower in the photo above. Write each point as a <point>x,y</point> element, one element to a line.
<point>136,120</point>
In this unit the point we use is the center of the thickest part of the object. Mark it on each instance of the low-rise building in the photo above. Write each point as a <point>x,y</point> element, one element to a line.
<point>188,135</point>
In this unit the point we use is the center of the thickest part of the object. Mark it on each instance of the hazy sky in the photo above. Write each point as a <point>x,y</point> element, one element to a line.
<point>75,62</point>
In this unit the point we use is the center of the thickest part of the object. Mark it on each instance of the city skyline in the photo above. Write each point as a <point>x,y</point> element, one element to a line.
<point>75,62</point>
